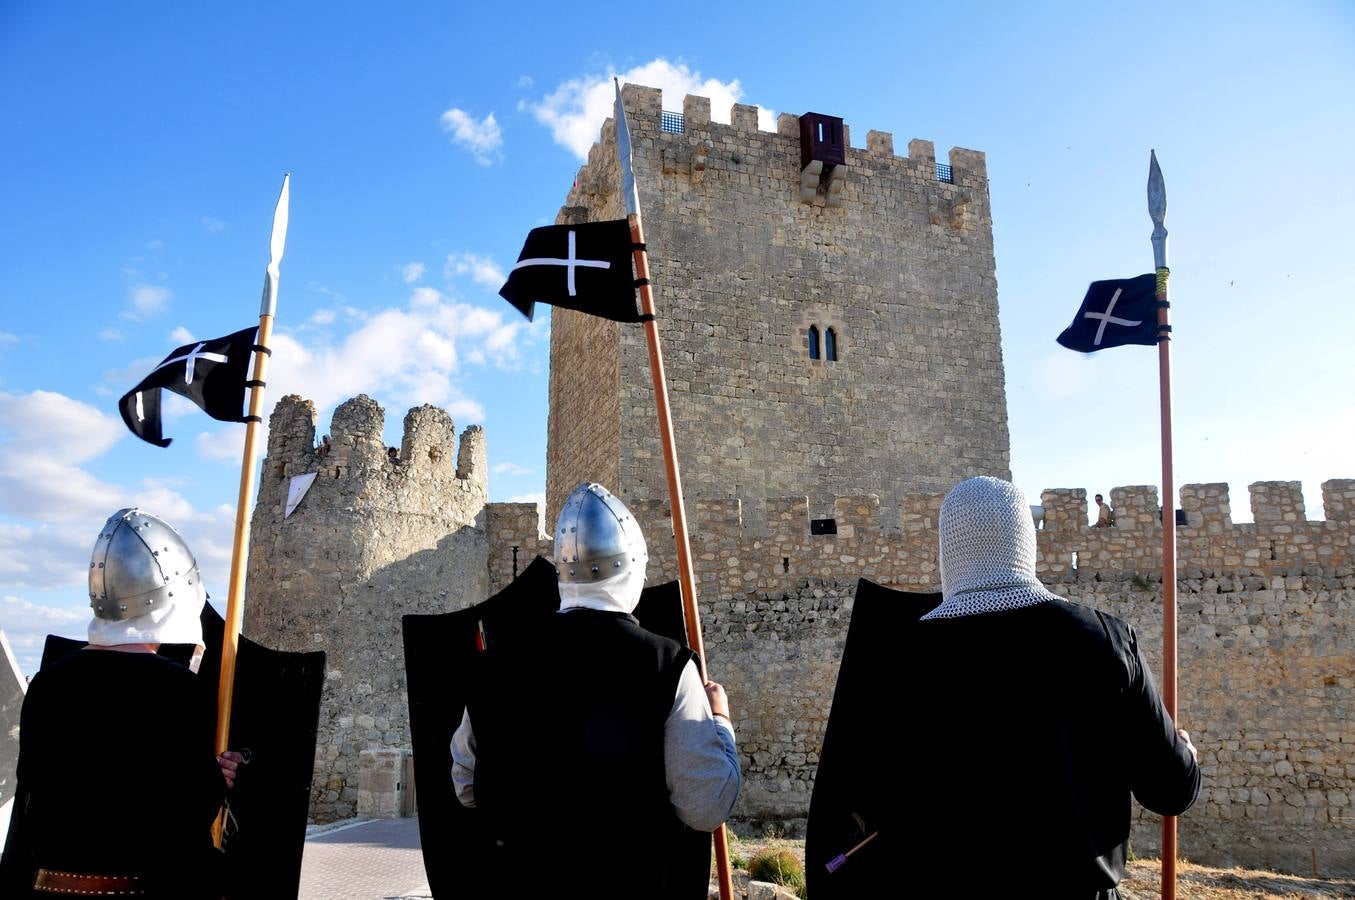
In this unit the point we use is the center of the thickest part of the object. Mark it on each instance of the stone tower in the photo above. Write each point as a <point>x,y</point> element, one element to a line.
<point>763,255</point>
<point>372,540</point>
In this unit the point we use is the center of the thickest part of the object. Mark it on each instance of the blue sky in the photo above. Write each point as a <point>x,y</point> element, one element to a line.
<point>143,146</point>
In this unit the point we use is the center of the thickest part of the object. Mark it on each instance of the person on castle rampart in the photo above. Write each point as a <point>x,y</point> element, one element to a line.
<point>118,785</point>
<point>1105,516</point>
<point>594,735</point>
<point>1044,720</point>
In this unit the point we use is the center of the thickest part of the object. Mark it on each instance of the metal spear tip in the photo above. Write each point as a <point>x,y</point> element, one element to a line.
<point>1157,191</point>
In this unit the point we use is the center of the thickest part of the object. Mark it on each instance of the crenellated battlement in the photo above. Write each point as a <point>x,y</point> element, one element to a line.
<point>740,151</point>
<point>645,107</point>
<point>897,543</point>
<point>434,470</point>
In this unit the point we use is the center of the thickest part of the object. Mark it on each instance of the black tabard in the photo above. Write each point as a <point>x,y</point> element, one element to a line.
<point>569,724</point>
<point>1021,736</point>
<point>117,774</point>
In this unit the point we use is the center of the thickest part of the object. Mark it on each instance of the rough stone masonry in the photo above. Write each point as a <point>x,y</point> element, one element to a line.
<point>896,263</point>
<point>1267,610</point>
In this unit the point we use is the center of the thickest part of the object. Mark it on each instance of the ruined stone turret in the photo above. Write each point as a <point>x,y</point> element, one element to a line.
<point>372,540</point>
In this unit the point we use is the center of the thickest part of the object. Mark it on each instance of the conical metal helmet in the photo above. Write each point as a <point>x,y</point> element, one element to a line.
<point>140,565</point>
<point>596,537</point>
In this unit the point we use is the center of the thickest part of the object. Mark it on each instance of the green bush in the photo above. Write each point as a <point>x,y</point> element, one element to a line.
<point>778,867</point>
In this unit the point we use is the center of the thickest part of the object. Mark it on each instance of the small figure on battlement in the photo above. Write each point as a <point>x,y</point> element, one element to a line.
<point>1105,515</point>
<point>591,743</point>
<point>325,446</point>
<point>393,454</point>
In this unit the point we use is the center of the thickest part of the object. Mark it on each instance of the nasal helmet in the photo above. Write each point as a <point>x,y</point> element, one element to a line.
<point>596,537</point>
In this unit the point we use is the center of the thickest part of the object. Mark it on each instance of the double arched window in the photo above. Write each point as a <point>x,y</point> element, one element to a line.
<point>829,352</point>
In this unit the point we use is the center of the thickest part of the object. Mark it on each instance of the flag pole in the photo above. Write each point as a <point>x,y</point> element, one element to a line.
<point>1157,210</point>
<point>230,639</point>
<point>686,574</point>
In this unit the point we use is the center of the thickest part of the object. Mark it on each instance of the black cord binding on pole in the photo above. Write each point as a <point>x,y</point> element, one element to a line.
<point>251,419</point>
<point>641,282</point>
<point>638,246</point>
<point>253,382</point>
<point>1164,304</point>
<point>259,348</point>
<point>647,317</point>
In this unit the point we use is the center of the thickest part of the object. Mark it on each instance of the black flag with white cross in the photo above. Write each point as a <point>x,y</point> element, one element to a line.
<point>583,267</point>
<point>211,373</point>
<point>1114,313</point>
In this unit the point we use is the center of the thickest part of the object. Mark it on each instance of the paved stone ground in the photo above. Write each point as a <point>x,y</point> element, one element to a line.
<point>365,860</point>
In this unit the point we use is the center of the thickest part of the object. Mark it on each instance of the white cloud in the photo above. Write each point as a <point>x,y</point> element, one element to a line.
<point>412,272</point>
<point>225,445</point>
<point>322,317</point>
<point>47,556</point>
<point>525,81</point>
<point>215,226</point>
<point>55,426</point>
<point>576,109</point>
<point>148,300</point>
<point>466,410</point>
<point>181,335</point>
<point>482,270</point>
<point>481,138</point>
<point>509,468</point>
<point>155,244</point>
<point>110,334</point>
<point>44,437</point>
<point>7,339</point>
<point>27,624</point>
<point>436,336</point>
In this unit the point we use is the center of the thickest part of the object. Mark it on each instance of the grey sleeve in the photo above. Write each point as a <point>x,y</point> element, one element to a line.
<point>463,762</point>
<point>700,760</point>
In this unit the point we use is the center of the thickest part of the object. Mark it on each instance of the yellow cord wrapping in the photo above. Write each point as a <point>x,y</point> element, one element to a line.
<point>1162,274</point>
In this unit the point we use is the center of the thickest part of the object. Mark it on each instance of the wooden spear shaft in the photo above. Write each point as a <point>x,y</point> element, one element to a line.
<point>235,607</point>
<point>686,574</point>
<point>1164,362</point>
<point>235,599</point>
<point>1157,211</point>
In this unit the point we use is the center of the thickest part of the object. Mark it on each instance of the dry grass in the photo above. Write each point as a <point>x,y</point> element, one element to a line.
<point>1143,880</point>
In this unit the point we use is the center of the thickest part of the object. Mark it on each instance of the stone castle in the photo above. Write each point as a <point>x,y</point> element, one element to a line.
<point>804,471</point>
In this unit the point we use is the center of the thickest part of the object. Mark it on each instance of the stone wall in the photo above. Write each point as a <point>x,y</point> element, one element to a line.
<point>1266,640</point>
<point>896,262</point>
<point>372,541</point>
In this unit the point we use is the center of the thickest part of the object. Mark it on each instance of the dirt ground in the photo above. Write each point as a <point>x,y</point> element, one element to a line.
<point>1143,880</point>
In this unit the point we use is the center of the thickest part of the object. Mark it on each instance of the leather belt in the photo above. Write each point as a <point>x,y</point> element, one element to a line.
<point>80,884</point>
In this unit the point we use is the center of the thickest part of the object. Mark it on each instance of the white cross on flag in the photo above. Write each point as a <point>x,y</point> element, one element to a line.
<point>211,373</point>
<point>584,267</point>
<point>1114,313</point>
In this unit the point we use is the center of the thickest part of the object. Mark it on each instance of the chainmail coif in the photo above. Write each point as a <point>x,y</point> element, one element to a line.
<point>987,550</point>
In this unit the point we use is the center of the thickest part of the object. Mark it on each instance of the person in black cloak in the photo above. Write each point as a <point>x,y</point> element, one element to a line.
<point>1035,719</point>
<point>116,776</point>
<point>589,742</point>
